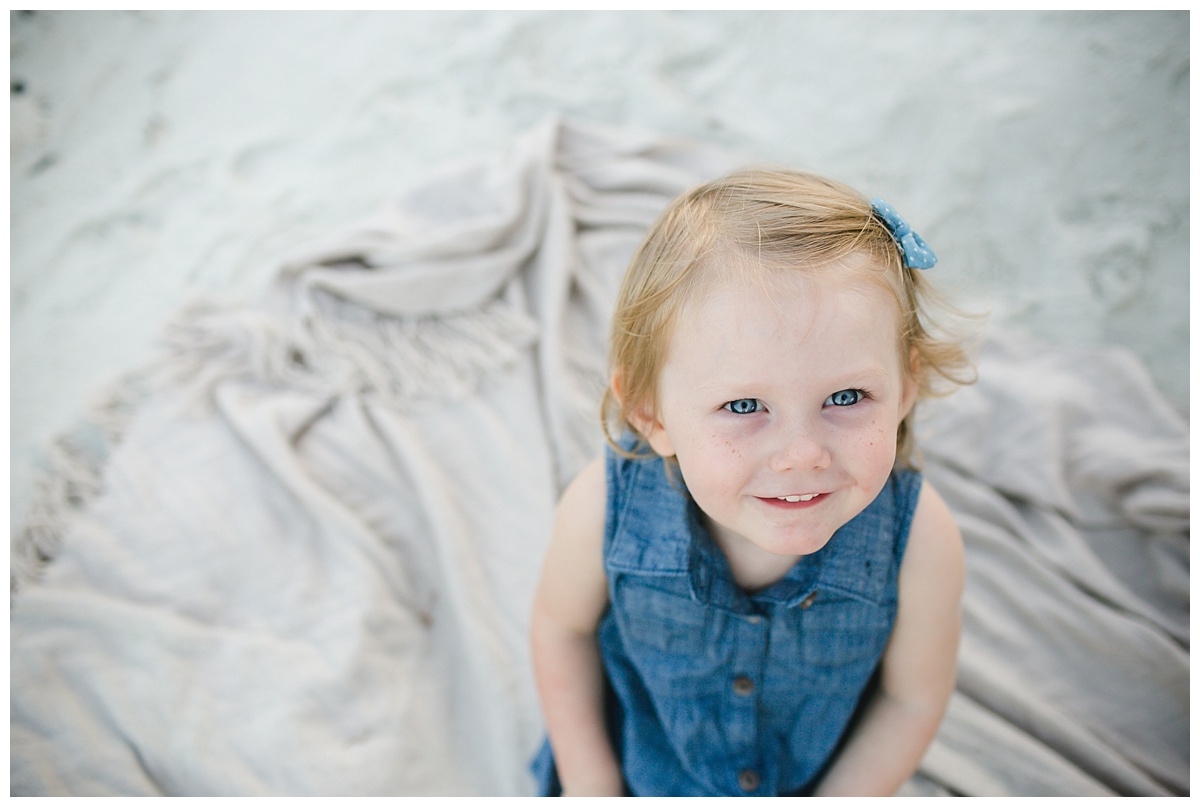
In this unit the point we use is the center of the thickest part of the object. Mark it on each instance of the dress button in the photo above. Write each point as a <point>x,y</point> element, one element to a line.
<point>754,619</point>
<point>748,780</point>
<point>807,602</point>
<point>742,685</point>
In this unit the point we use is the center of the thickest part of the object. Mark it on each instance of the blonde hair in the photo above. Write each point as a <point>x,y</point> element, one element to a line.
<point>777,218</point>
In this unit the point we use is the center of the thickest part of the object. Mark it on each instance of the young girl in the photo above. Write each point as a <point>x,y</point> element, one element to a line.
<point>753,592</point>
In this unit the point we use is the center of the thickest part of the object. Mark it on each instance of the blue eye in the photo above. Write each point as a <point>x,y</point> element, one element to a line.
<point>744,406</point>
<point>846,397</point>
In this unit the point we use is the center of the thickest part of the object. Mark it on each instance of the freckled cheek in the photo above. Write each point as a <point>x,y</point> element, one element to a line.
<point>879,436</point>
<point>721,450</point>
<point>876,453</point>
<point>717,465</point>
<point>731,451</point>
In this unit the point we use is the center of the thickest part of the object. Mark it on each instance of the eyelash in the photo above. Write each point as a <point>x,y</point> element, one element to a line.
<point>860,396</point>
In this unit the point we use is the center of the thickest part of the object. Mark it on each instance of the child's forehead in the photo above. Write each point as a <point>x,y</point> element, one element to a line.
<point>747,281</point>
<point>741,339</point>
<point>744,314</point>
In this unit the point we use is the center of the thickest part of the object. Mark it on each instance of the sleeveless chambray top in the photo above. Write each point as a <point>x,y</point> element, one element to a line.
<point>718,692</point>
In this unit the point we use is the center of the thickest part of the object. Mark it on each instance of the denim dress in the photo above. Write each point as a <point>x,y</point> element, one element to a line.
<point>716,692</point>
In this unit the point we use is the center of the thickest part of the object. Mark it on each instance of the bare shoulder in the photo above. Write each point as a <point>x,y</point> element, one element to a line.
<point>919,664</point>
<point>573,587</point>
<point>581,508</point>
<point>934,555</point>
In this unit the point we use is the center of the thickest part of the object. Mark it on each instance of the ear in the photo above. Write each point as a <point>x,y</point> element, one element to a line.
<point>912,383</point>
<point>642,418</point>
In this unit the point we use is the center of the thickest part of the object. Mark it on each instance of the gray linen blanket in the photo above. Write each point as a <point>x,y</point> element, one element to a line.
<point>296,554</point>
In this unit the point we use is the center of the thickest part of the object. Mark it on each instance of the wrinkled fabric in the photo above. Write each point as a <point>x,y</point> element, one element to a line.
<point>317,580</point>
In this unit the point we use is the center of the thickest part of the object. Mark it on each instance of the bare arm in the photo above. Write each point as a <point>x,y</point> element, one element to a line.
<point>918,666</point>
<point>571,597</point>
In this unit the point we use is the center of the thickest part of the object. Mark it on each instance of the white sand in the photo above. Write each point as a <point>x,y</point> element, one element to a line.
<point>157,155</point>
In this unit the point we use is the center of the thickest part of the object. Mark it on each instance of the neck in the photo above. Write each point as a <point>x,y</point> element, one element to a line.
<point>754,569</point>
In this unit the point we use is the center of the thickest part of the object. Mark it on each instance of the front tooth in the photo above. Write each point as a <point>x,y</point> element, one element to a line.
<point>807,498</point>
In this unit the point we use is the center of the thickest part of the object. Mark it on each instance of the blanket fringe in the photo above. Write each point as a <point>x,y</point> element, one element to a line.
<point>336,348</point>
<point>70,479</point>
<point>68,483</point>
<point>332,348</point>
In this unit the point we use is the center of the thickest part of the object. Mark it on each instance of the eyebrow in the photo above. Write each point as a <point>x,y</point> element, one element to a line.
<point>866,375</point>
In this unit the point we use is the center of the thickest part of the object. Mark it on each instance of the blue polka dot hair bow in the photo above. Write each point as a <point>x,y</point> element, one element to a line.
<point>917,254</point>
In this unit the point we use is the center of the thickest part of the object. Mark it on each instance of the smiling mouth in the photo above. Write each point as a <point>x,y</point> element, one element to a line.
<point>795,501</point>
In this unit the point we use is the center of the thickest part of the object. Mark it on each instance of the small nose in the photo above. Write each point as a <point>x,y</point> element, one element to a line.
<point>801,447</point>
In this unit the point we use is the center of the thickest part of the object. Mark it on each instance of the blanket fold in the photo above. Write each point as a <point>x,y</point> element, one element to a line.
<point>296,553</point>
